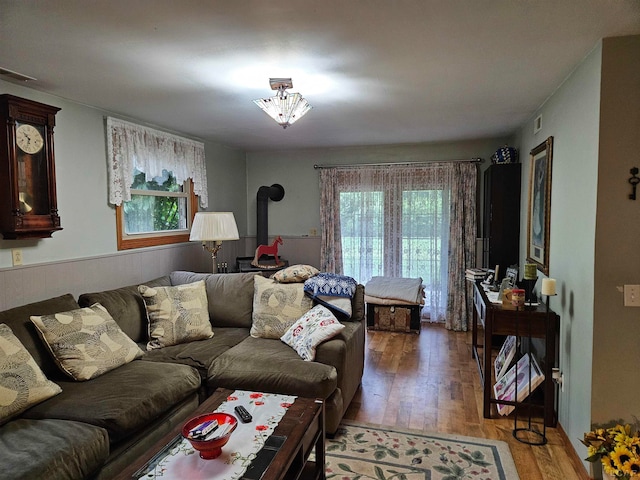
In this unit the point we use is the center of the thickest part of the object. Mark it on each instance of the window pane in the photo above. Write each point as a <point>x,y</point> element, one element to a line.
<point>362,231</point>
<point>425,226</point>
<point>144,214</point>
<point>165,183</point>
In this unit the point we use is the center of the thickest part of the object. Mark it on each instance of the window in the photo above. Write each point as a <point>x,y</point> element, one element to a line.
<point>160,212</point>
<point>404,220</point>
<point>401,234</point>
<point>154,178</point>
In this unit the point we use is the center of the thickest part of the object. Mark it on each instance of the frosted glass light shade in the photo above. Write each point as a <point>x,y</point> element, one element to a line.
<point>216,226</point>
<point>285,108</point>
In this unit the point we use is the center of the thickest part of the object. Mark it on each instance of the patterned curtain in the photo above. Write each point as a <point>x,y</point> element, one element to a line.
<point>131,146</point>
<point>462,251</point>
<point>331,241</point>
<point>399,222</point>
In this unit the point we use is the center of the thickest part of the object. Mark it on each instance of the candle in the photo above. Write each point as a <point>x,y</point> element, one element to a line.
<point>548,286</point>
<point>530,271</point>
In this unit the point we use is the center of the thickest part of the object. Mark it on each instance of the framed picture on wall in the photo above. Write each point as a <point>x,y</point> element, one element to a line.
<point>540,205</point>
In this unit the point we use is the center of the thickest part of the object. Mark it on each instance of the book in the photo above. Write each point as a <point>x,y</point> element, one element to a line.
<point>475,273</point>
<point>505,356</point>
<point>505,388</point>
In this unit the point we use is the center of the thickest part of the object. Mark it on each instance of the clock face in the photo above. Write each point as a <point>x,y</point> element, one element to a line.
<point>29,139</point>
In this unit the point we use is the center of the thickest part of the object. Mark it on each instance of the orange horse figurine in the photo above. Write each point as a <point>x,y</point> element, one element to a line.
<point>268,250</point>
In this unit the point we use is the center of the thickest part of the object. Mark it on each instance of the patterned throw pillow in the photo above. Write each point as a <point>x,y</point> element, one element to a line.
<point>313,328</point>
<point>295,273</point>
<point>276,306</point>
<point>86,342</point>
<point>22,383</point>
<point>177,314</point>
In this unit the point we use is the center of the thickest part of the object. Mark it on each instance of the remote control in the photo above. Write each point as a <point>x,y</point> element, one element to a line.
<point>244,415</point>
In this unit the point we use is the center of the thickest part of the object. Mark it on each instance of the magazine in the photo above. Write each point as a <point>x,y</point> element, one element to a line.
<point>504,388</point>
<point>505,355</point>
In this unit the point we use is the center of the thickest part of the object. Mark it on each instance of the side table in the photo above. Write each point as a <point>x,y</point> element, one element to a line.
<point>498,321</point>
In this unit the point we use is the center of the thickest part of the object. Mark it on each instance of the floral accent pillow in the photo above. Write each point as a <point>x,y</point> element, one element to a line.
<point>295,273</point>
<point>313,328</point>
<point>22,383</point>
<point>176,314</point>
<point>276,306</point>
<point>86,342</point>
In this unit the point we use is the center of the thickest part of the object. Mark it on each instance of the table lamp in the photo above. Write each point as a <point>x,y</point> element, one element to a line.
<point>212,228</point>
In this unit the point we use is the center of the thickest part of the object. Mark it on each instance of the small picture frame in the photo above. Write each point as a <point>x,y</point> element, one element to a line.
<point>512,275</point>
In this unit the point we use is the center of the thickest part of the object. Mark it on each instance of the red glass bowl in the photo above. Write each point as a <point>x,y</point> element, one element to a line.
<point>210,449</point>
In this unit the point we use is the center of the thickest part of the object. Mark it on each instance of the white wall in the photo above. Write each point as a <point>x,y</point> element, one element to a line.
<point>616,332</point>
<point>299,211</point>
<point>571,116</point>
<point>88,221</point>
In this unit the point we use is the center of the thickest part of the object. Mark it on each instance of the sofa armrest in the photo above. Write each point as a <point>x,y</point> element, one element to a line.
<point>357,305</point>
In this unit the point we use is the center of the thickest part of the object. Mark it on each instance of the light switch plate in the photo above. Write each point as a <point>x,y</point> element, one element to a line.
<point>632,295</point>
<point>16,256</point>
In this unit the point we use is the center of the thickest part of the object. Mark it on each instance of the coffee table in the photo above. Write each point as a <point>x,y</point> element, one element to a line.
<point>301,428</point>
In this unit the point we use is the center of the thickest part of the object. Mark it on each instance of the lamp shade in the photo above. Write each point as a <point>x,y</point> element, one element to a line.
<point>285,108</point>
<point>216,226</point>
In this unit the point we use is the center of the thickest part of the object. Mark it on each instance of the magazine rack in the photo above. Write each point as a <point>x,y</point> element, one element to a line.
<point>528,434</point>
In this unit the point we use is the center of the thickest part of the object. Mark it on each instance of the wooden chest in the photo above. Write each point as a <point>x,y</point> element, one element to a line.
<point>394,318</point>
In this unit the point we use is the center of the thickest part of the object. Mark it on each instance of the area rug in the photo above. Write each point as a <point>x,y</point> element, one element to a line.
<point>361,451</point>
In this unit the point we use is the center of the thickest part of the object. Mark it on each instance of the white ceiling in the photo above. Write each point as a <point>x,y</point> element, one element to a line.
<point>375,71</point>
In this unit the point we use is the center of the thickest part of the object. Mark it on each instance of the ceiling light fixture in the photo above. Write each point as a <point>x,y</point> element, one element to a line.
<point>285,108</point>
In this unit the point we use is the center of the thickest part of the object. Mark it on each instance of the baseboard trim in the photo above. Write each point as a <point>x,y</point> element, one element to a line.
<point>576,461</point>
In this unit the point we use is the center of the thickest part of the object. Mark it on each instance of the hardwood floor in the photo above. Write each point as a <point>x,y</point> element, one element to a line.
<point>429,382</point>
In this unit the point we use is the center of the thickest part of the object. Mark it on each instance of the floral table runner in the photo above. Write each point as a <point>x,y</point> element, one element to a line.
<point>182,461</point>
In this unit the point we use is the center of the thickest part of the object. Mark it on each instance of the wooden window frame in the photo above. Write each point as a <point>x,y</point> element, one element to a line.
<point>142,240</point>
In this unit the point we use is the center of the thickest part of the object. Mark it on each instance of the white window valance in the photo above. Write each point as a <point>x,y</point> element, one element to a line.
<point>131,146</point>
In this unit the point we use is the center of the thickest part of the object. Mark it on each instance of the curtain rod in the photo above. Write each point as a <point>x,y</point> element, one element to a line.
<point>390,164</point>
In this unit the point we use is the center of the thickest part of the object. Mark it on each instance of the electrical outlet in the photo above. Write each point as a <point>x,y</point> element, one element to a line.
<point>313,232</point>
<point>632,295</point>
<point>16,256</point>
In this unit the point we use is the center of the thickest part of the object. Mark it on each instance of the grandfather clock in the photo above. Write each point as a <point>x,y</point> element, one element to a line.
<point>28,203</point>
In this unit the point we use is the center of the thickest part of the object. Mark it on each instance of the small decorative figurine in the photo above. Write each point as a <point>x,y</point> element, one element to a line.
<point>268,250</point>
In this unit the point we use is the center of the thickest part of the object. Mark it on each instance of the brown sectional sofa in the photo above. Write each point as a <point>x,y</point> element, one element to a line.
<point>95,428</point>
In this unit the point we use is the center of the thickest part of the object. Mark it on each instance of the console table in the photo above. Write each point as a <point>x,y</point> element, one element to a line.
<point>498,321</point>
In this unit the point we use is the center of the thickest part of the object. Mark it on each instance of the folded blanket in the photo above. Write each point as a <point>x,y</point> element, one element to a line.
<point>406,289</point>
<point>330,284</point>
<point>390,301</point>
<point>332,290</point>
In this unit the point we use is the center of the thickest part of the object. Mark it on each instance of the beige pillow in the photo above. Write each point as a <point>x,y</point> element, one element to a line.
<point>22,383</point>
<point>176,314</point>
<point>86,342</point>
<point>276,306</point>
<point>295,273</point>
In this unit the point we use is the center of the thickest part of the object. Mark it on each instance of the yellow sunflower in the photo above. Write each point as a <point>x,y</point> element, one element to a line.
<point>620,456</point>
<point>608,465</point>
<point>632,467</point>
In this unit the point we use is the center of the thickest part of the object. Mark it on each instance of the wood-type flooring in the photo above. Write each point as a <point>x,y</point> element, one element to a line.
<point>429,382</point>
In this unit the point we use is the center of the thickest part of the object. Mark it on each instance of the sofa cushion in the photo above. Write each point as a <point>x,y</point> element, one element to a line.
<point>86,342</point>
<point>22,383</point>
<point>126,306</point>
<point>201,354</point>
<point>19,321</point>
<point>51,449</point>
<point>313,328</point>
<point>230,296</point>
<point>267,365</point>
<point>123,400</point>
<point>176,314</point>
<point>276,307</point>
<point>295,273</point>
